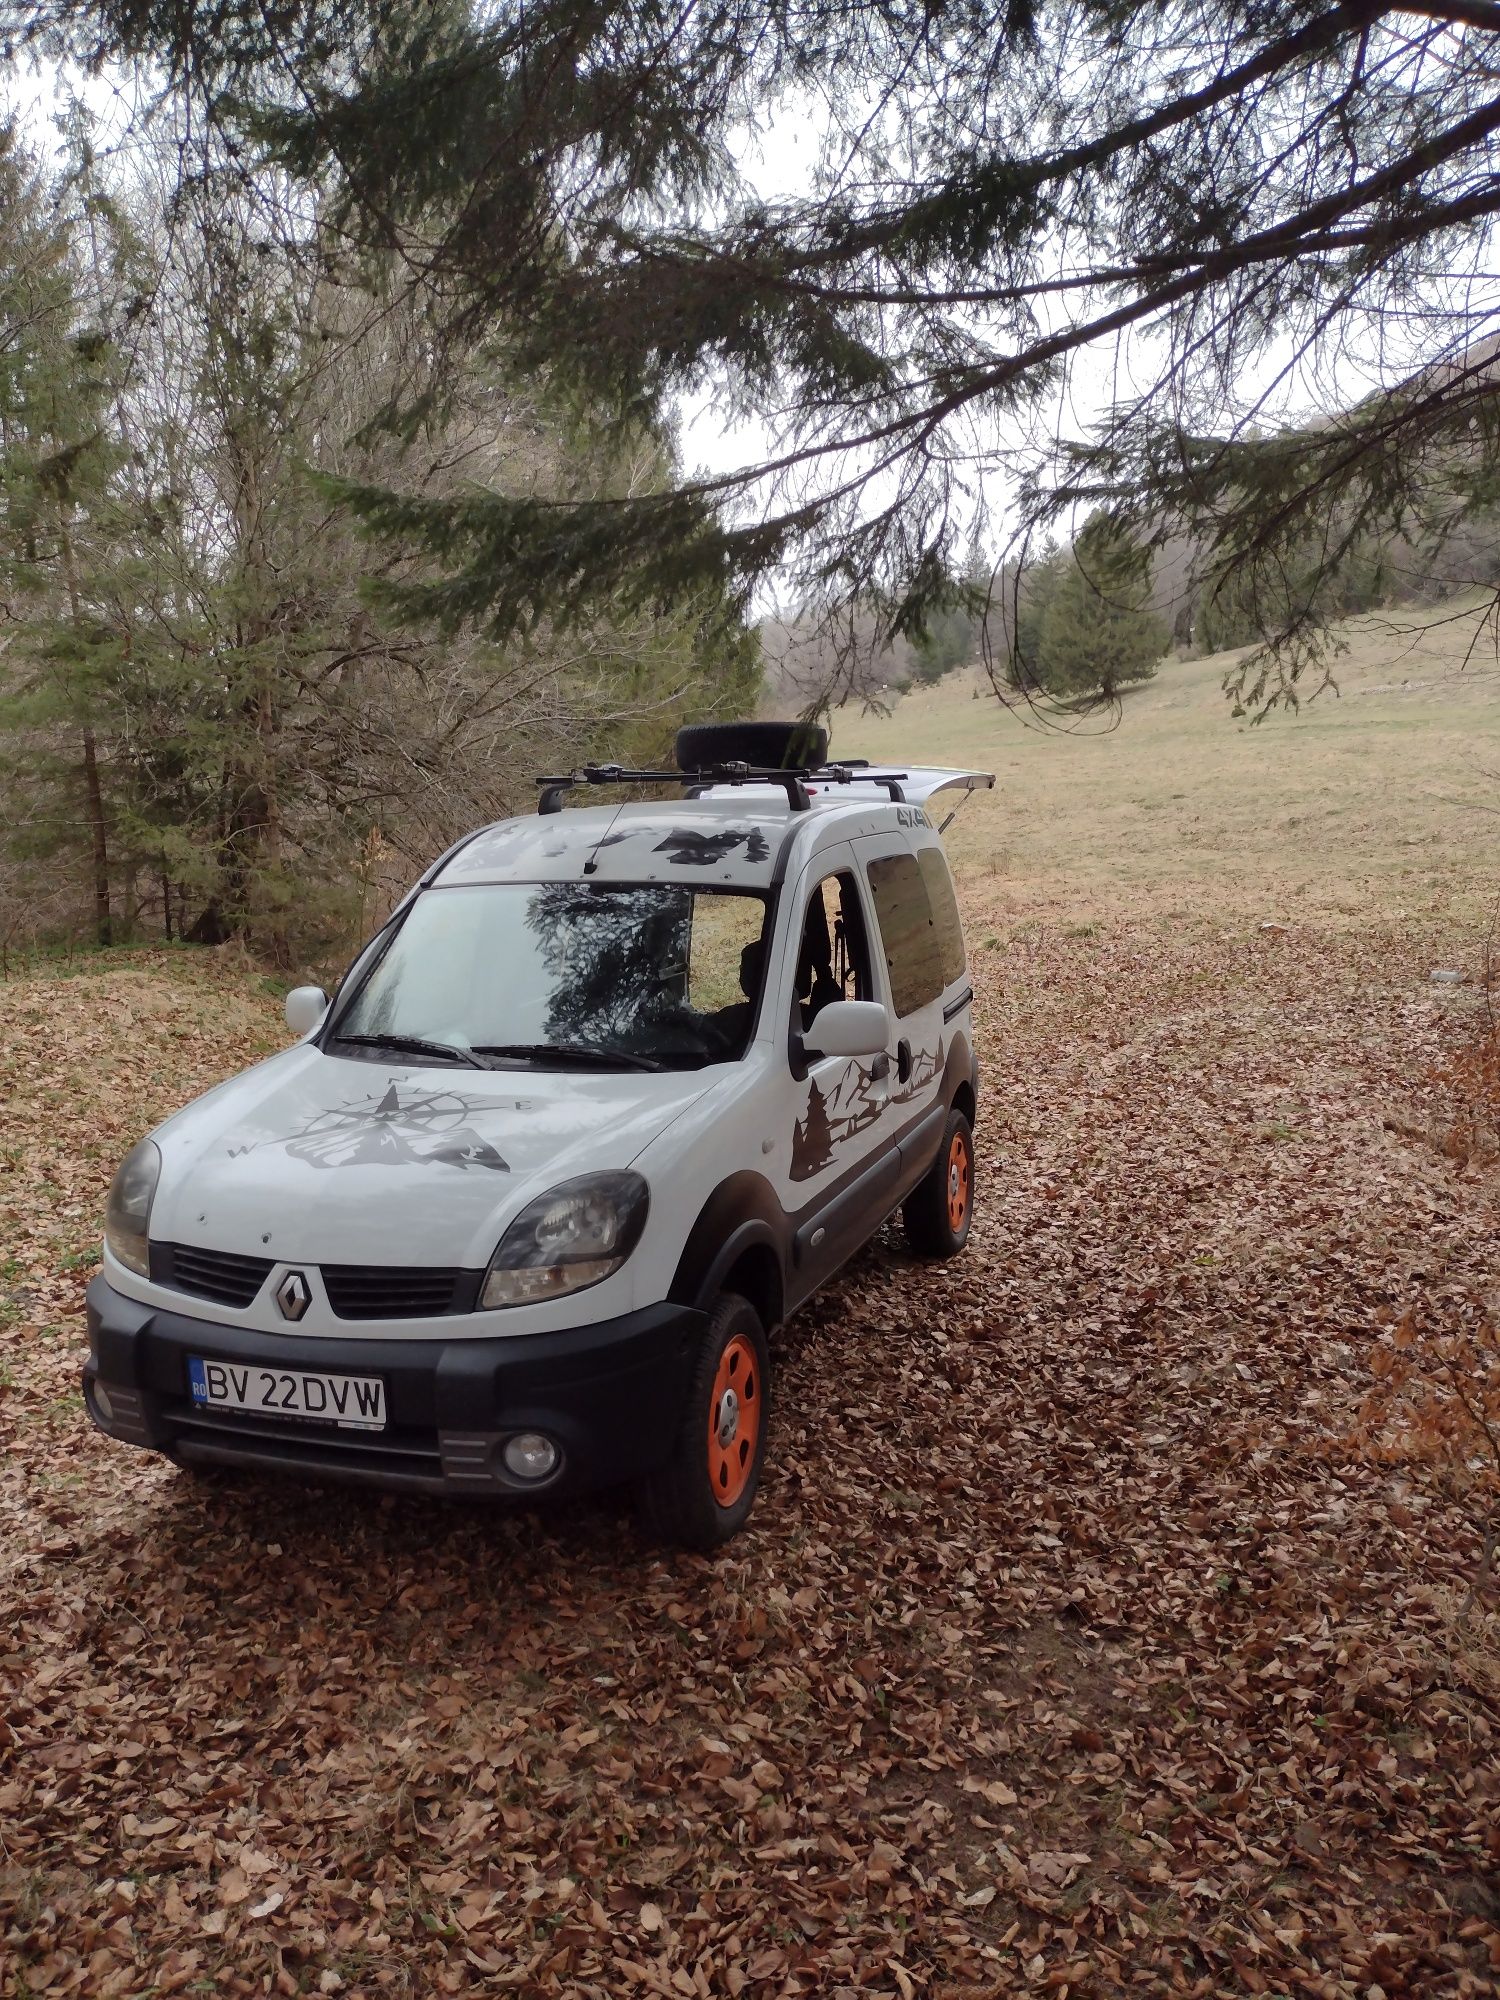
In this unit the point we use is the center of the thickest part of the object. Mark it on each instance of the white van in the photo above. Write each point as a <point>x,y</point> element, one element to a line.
<point>613,1091</point>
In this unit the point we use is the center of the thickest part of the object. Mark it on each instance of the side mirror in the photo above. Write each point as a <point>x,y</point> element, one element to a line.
<point>849,1028</point>
<point>305,1008</point>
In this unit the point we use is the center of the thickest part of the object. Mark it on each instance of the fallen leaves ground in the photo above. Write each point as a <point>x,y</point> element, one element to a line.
<point>1075,1646</point>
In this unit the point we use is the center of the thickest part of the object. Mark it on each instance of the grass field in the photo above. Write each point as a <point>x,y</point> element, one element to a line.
<point>1091,1637</point>
<point>1377,800</point>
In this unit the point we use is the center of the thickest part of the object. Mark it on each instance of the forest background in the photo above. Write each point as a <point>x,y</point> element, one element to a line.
<point>341,485</point>
<point>209,727</point>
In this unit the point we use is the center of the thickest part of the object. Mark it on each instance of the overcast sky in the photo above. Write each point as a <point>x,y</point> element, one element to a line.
<point>779,159</point>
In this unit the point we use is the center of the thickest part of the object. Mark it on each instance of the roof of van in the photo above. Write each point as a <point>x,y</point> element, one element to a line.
<point>722,839</point>
<point>728,834</point>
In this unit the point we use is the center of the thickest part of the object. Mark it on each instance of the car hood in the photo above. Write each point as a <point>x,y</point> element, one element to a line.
<point>323,1159</point>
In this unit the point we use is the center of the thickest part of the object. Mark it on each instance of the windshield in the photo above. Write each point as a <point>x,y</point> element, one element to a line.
<point>658,975</point>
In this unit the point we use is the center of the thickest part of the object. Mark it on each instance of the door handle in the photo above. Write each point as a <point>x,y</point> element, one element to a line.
<point>903,1060</point>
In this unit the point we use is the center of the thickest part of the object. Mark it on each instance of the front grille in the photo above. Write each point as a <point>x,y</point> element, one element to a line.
<point>355,1291</point>
<point>209,1274</point>
<point>395,1291</point>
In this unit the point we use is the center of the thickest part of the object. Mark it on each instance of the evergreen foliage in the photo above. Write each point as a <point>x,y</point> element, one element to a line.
<point>1291,196</point>
<point>952,635</point>
<point>210,718</point>
<point>58,523</point>
<point>1085,628</point>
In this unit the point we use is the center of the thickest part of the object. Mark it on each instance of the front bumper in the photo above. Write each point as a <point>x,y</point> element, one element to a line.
<point>611,1395</point>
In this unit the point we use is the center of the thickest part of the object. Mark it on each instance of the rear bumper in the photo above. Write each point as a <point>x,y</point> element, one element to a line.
<point>610,1395</point>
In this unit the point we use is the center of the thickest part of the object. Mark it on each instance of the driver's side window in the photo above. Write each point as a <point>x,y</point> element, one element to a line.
<point>833,959</point>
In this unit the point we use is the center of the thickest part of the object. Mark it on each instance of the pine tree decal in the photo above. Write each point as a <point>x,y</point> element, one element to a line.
<point>812,1140</point>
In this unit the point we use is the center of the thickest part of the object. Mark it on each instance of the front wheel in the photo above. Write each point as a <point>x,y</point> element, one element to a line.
<point>940,1207</point>
<point>704,1492</point>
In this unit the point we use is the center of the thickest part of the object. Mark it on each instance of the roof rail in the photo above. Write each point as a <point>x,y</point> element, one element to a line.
<point>553,789</point>
<point>793,783</point>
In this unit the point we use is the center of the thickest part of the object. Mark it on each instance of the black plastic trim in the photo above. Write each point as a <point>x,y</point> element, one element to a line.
<point>555,788</point>
<point>224,1277</point>
<point>741,1213</point>
<point>957,1004</point>
<point>920,1142</point>
<point>611,1394</point>
<point>784,854</point>
<point>841,1217</point>
<point>395,1291</point>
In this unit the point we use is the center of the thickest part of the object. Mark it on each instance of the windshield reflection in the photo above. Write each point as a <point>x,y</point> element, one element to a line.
<point>657,972</point>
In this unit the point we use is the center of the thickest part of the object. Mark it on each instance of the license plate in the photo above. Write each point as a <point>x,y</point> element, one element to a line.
<point>355,1402</point>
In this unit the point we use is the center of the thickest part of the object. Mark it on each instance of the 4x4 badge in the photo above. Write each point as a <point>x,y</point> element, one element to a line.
<point>293,1295</point>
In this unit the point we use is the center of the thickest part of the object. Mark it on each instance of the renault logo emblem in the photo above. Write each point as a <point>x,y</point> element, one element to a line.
<point>293,1295</point>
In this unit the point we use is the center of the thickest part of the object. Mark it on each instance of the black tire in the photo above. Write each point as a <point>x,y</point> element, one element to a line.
<point>939,1211</point>
<point>770,746</point>
<point>678,1502</point>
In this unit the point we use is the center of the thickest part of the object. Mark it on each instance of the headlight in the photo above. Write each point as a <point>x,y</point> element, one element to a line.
<point>129,1209</point>
<point>572,1237</point>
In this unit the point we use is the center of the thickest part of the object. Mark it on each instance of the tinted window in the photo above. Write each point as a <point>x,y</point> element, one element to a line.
<point>944,909</point>
<point>909,932</point>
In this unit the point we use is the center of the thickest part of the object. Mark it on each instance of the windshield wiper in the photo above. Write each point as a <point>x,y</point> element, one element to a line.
<point>570,1052</point>
<point>413,1045</point>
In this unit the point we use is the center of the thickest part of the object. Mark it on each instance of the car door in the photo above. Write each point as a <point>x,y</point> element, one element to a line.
<point>922,952</point>
<point>837,1171</point>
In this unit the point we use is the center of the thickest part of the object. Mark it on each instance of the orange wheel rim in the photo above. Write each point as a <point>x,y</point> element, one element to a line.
<point>958,1181</point>
<point>734,1420</point>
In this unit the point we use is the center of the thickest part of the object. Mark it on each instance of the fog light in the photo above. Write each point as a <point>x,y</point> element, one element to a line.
<point>529,1455</point>
<point>102,1403</point>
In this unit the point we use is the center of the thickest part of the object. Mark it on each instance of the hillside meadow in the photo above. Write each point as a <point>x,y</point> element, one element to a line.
<point>1094,1634</point>
<point>1379,798</point>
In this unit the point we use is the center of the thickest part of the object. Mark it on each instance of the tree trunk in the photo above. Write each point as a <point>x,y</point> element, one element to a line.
<point>208,927</point>
<point>103,927</point>
<point>254,831</point>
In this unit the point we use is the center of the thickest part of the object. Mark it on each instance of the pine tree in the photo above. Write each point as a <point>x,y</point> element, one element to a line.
<point>207,701</point>
<point>1194,194</point>
<point>812,1139</point>
<point>56,460</point>
<point>953,631</point>
<point>1093,632</point>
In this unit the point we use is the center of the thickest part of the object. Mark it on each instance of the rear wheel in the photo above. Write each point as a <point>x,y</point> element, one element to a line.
<point>940,1208</point>
<point>705,1491</point>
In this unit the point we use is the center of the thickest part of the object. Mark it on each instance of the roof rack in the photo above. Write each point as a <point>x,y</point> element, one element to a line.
<point>793,783</point>
<point>856,771</point>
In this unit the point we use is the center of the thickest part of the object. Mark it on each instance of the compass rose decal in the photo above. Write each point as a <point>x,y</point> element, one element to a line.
<point>421,1128</point>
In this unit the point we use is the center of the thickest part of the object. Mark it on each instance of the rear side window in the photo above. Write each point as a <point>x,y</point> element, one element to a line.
<point>944,908</point>
<point>910,932</point>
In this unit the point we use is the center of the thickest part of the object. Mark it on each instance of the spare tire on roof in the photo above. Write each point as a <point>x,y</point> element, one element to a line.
<point>769,746</point>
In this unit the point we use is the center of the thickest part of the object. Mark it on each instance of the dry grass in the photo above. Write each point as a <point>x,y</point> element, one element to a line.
<point>1376,802</point>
